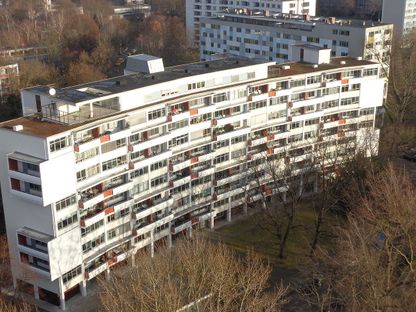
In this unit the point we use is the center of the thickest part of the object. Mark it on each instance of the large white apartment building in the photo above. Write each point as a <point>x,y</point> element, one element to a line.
<point>272,37</point>
<point>401,13</point>
<point>197,9</point>
<point>93,173</point>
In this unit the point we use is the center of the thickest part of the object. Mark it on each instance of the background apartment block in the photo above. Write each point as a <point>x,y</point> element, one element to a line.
<point>9,75</point>
<point>197,9</point>
<point>401,13</point>
<point>273,37</point>
<point>93,173</point>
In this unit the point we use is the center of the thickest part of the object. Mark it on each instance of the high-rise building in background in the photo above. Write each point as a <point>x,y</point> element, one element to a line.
<point>197,9</point>
<point>401,13</point>
<point>93,173</point>
<point>275,37</point>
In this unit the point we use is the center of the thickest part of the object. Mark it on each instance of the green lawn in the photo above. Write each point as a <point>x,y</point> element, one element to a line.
<point>245,234</point>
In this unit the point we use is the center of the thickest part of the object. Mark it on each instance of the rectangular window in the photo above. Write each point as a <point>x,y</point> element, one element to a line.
<point>60,143</point>
<point>113,163</point>
<point>156,114</point>
<point>71,274</point>
<point>93,243</point>
<point>70,200</point>
<point>68,221</point>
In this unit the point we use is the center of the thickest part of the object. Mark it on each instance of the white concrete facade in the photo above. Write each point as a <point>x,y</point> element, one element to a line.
<point>197,9</point>
<point>81,196</point>
<point>272,37</point>
<point>401,13</point>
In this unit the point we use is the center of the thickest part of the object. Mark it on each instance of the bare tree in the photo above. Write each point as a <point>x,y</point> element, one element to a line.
<point>373,265</point>
<point>196,275</point>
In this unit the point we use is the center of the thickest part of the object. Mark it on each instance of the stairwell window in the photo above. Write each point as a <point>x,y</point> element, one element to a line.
<point>59,144</point>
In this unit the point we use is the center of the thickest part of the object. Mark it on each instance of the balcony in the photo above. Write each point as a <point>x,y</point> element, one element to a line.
<point>150,225</point>
<point>94,215</point>
<point>148,208</point>
<point>181,227</point>
<point>96,269</point>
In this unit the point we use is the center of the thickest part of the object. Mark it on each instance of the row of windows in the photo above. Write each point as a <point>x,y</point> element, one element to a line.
<point>68,221</point>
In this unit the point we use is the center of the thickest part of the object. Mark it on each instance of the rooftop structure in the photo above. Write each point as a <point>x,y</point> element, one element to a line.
<point>150,157</point>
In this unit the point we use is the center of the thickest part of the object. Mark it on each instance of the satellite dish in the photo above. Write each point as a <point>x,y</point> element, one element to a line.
<point>52,91</point>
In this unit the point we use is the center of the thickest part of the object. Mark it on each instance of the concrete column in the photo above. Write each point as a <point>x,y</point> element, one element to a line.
<point>170,240</point>
<point>83,287</point>
<point>152,244</point>
<point>284,197</point>
<point>245,209</point>
<point>211,222</point>
<point>133,260</point>
<point>190,232</point>
<point>62,302</point>
<point>14,283</point>
<point>36,289</point>
<point>91,111</point>
<point>107,274</point>
<point>229,215</point>
<point>301,186</point>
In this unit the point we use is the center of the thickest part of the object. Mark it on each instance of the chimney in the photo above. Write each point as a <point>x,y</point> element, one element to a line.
<point>266,13</point>
<point>18,128</point>
<point>306,17</point>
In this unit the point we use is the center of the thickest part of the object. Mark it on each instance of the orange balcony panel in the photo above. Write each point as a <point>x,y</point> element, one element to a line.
<point>80,204</point>
<point>270,137</point>
<point>269,152</point>
<point>193,112</point>
<point>344,81</point>
<point>109,210</point>
<point>341,134</point>
<point>194,175</point>
<point>108,193</point>
<point>342,122</point>
<point>169,117</point>
<point>194,160</point>
<point>111,261</point>
<point>272,93</point>
<point>105,138</point>
<point>76,147</point>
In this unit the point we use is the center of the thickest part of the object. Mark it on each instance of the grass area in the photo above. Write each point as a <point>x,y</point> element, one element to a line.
<point>245,234</point>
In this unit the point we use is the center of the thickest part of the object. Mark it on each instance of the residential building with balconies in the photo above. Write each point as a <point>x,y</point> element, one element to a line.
<point>197,9</point>
<point>272,37</point>
<point>92,174</point>
<point>401,13</point>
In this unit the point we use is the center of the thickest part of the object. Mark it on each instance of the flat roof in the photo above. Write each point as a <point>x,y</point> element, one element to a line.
<point>35,126</point>
<point>80,93</point>
<point>283,19</point>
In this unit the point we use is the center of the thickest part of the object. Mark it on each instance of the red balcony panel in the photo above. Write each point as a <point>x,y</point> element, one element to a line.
<point>194,160</point>
<point>80,204</point>
<point>214,196</point>
<point>272,93</point>
<point>145,135</point>
<point>131,165</point>
<point>22,239</point>
<point>169,117</point>
<point>270,137</point>
<point>76,148</point>
<point>193,112</point>
<point>194,175</point>
<point>147,153</point>
<point>13,164</point>
<point>194,221</point>
<point>342,121</point>
<point>82,222</point>
<point>95,132</point>
<point>24,258</point>
<point>15,184</point>
<point>130,148</point>
<point>289,118</point>
<point>344,81</point>
<point>170,183</point>
<point>214,122</point>
<point>290,104</point>
<point>109,210</point>
<point>105,138</point>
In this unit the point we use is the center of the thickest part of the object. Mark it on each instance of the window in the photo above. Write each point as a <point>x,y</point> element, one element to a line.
<point>60,143</point>
<point>221,97</point>
<point>295,125</point>
<point>86,155</point>
<point>92,228</point>
<point>110,164</point>
<point>93,243</point>
<point>239,139</point>
<point>178,140</point>
<point>278,114</point>
<point>157,114</point>
<point>71,274</point>
<point>221,158</point>
<point>158,165</point>
<point>177,125</point>
<point>278,100</point>
<point>350,101</point>
<point>159,180</point>
<point>370,72</point>
<point>258,104</point>
<point>87,173</point>
<point>297,83</point>
<point>196,85</point>
<point>68,221</point>
<point>65,202</point>
<point>138,172</point>
<point>238,153</point>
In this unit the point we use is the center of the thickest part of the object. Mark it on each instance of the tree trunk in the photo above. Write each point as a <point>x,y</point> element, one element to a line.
<point>285,237</point>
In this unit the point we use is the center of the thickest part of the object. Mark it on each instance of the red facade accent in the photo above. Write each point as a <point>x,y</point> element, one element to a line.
<point>15,184</point>
<point>13,164</point>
